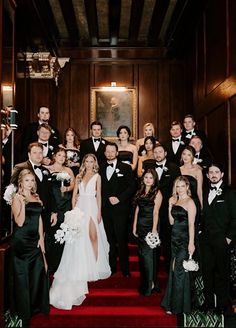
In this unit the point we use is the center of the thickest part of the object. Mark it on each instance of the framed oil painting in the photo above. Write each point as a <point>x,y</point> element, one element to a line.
<point>114,106</point>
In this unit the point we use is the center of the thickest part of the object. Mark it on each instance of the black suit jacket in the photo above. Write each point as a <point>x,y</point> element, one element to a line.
<point>121,185</point>
<point>198,133</point>
<point>30,135</point>
<point>43,190</point>
<point>205,158</point>
<point>174,157</point>
<point>219,218</point>
<point>87,147</point>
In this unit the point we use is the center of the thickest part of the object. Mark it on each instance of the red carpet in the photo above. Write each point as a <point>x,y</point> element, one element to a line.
<point>113,302</point>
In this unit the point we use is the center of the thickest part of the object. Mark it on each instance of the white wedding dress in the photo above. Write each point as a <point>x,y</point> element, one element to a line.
<point>78,263</point>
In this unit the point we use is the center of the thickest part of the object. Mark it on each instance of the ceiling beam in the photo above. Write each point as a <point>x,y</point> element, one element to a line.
<point>91,12</point>
<point>158,17</point>
<point>68,12</point>
<point>135,20</point>
<point>114,21</point>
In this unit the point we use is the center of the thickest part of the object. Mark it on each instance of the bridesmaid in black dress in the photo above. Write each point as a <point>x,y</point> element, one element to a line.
<point>127,153</point>
<point>178,296</point>
<point>62,192</point>
<point>30,282</point>
<point>148,199</point>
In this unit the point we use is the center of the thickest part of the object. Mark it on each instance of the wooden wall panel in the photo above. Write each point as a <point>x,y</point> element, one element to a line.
<point>148,106</point>
<point>164,102</point>
<point>216,44</point>
<point>200,62</point>
<point>122,74</point>
<point>177,93</point>
<point>232,36</point>
<point>233,140</point>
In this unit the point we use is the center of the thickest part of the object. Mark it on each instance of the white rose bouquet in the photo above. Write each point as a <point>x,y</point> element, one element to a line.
<point>190,264</point>
<point>63,176</point>
<point>153,240</point>
<point>71,227</point>
<point>9,193</point>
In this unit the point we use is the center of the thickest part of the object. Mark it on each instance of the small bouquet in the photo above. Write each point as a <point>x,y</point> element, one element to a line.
<point>63,176</point>
<point>9,193</point>
<point>153,240</point>
<point>190,264</point>
<point>71,227</point>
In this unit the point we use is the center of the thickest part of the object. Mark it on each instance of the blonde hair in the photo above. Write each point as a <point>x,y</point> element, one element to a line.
<point>82,170</point>
<point>147,125</point>
<point>21,177</point>
<point>184,179</point>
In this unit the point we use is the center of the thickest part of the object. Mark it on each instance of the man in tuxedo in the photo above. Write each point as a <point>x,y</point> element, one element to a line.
<point>95,144</point>
<point>167,172</point>
<point>30,132</point>
<point>118,186</point>
<point>202,156</point>
<point>42,175</point>
<point>176,145</point>
<point>190,130</point>
<point>218,231</point>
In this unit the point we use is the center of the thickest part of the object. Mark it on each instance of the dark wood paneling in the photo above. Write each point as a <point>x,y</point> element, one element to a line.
<point>233,139</point>
<point>164,102</point>
<point>148,96</point>
<point>177,93</point>
<point>216,44</point>
<point>232,33</point>
<point>200,62</point>
<point>122,74</point>
<point>217,125</point>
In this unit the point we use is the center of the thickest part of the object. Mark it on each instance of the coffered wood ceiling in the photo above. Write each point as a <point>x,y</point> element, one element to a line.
<point>55,24</point>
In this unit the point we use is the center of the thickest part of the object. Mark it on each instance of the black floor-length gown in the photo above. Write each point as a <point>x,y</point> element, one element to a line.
<point>30,281</point>
<point>63,204</point>
<point>147,255</point>
<point>178,295</point>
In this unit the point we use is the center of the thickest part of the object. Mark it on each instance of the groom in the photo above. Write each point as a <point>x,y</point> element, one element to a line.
<point>117,188</point>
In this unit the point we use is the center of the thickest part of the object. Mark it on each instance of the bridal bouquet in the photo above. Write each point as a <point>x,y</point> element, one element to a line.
<point>9,193</point>
<point>63,176</point>
<point>153,240</point>
<point>190,264</point>
<point>71,227</point>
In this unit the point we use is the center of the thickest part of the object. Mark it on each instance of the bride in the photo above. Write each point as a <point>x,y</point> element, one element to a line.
<point>86,258</point>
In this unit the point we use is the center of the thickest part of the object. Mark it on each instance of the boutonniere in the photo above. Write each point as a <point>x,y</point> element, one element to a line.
<point>45,172</point>
<point>117,170</point>
<point>103,141</point>
<point>219,192</point>
<point>50,147</point>
<point>182,143</point>
<point>165,168</point>
<point>143,152</point>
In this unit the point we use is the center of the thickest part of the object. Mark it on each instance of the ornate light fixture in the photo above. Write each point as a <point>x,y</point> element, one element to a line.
<point>40,65</point>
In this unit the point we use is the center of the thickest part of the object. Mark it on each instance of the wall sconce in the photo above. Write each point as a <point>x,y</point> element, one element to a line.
<point>113,87</point>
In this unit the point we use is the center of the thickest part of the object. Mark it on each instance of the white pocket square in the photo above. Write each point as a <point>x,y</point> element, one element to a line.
<point>120,175</point>
<point>220,201</point>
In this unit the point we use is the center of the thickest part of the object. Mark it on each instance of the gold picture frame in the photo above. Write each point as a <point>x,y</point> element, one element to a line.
<point>114,106</point>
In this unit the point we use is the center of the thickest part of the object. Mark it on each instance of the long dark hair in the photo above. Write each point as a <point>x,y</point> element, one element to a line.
<point>153,190</point>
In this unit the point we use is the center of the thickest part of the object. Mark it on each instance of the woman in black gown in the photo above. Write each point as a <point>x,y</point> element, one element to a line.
<point>62,192</point>
<point>30,282</point>
<point>182,212</point>
<point>148,199</point>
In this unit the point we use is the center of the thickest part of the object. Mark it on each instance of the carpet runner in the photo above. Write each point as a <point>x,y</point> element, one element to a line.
<point>114,302</point>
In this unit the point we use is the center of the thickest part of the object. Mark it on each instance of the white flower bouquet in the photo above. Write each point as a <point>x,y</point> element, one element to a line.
<point>9,193</point>
<point>190,264</point>
<point>63,176</point>
<point>153,240</point>
<point>71,227</point>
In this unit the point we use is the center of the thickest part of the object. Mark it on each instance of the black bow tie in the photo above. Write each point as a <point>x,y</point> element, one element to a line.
<point>110,164</point>
<point>159,165</point>
<point>176,140</point>
<point>197,156</point>
<point>37,167</point>
<point>97,139</point>
<point>213,188</point>
<point>44,144</point>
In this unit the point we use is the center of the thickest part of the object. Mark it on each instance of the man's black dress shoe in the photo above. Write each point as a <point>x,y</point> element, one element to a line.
<point>156,289</point>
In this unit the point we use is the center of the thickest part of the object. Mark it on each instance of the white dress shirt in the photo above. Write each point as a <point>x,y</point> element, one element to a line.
<point>111,169</point>
<point>37,171</point>
<point>213,192</point>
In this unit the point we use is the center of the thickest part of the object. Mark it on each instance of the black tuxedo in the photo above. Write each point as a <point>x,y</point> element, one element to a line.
<point>174,157</point>
<point>87,147</point>
<point>201,134</point>
<point>204,159</point>
<point>218,222</point>
<point>30,135</point>
<point>115,217</point>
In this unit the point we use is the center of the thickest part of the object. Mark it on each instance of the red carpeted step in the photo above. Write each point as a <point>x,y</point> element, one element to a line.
<point>114,302</point>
